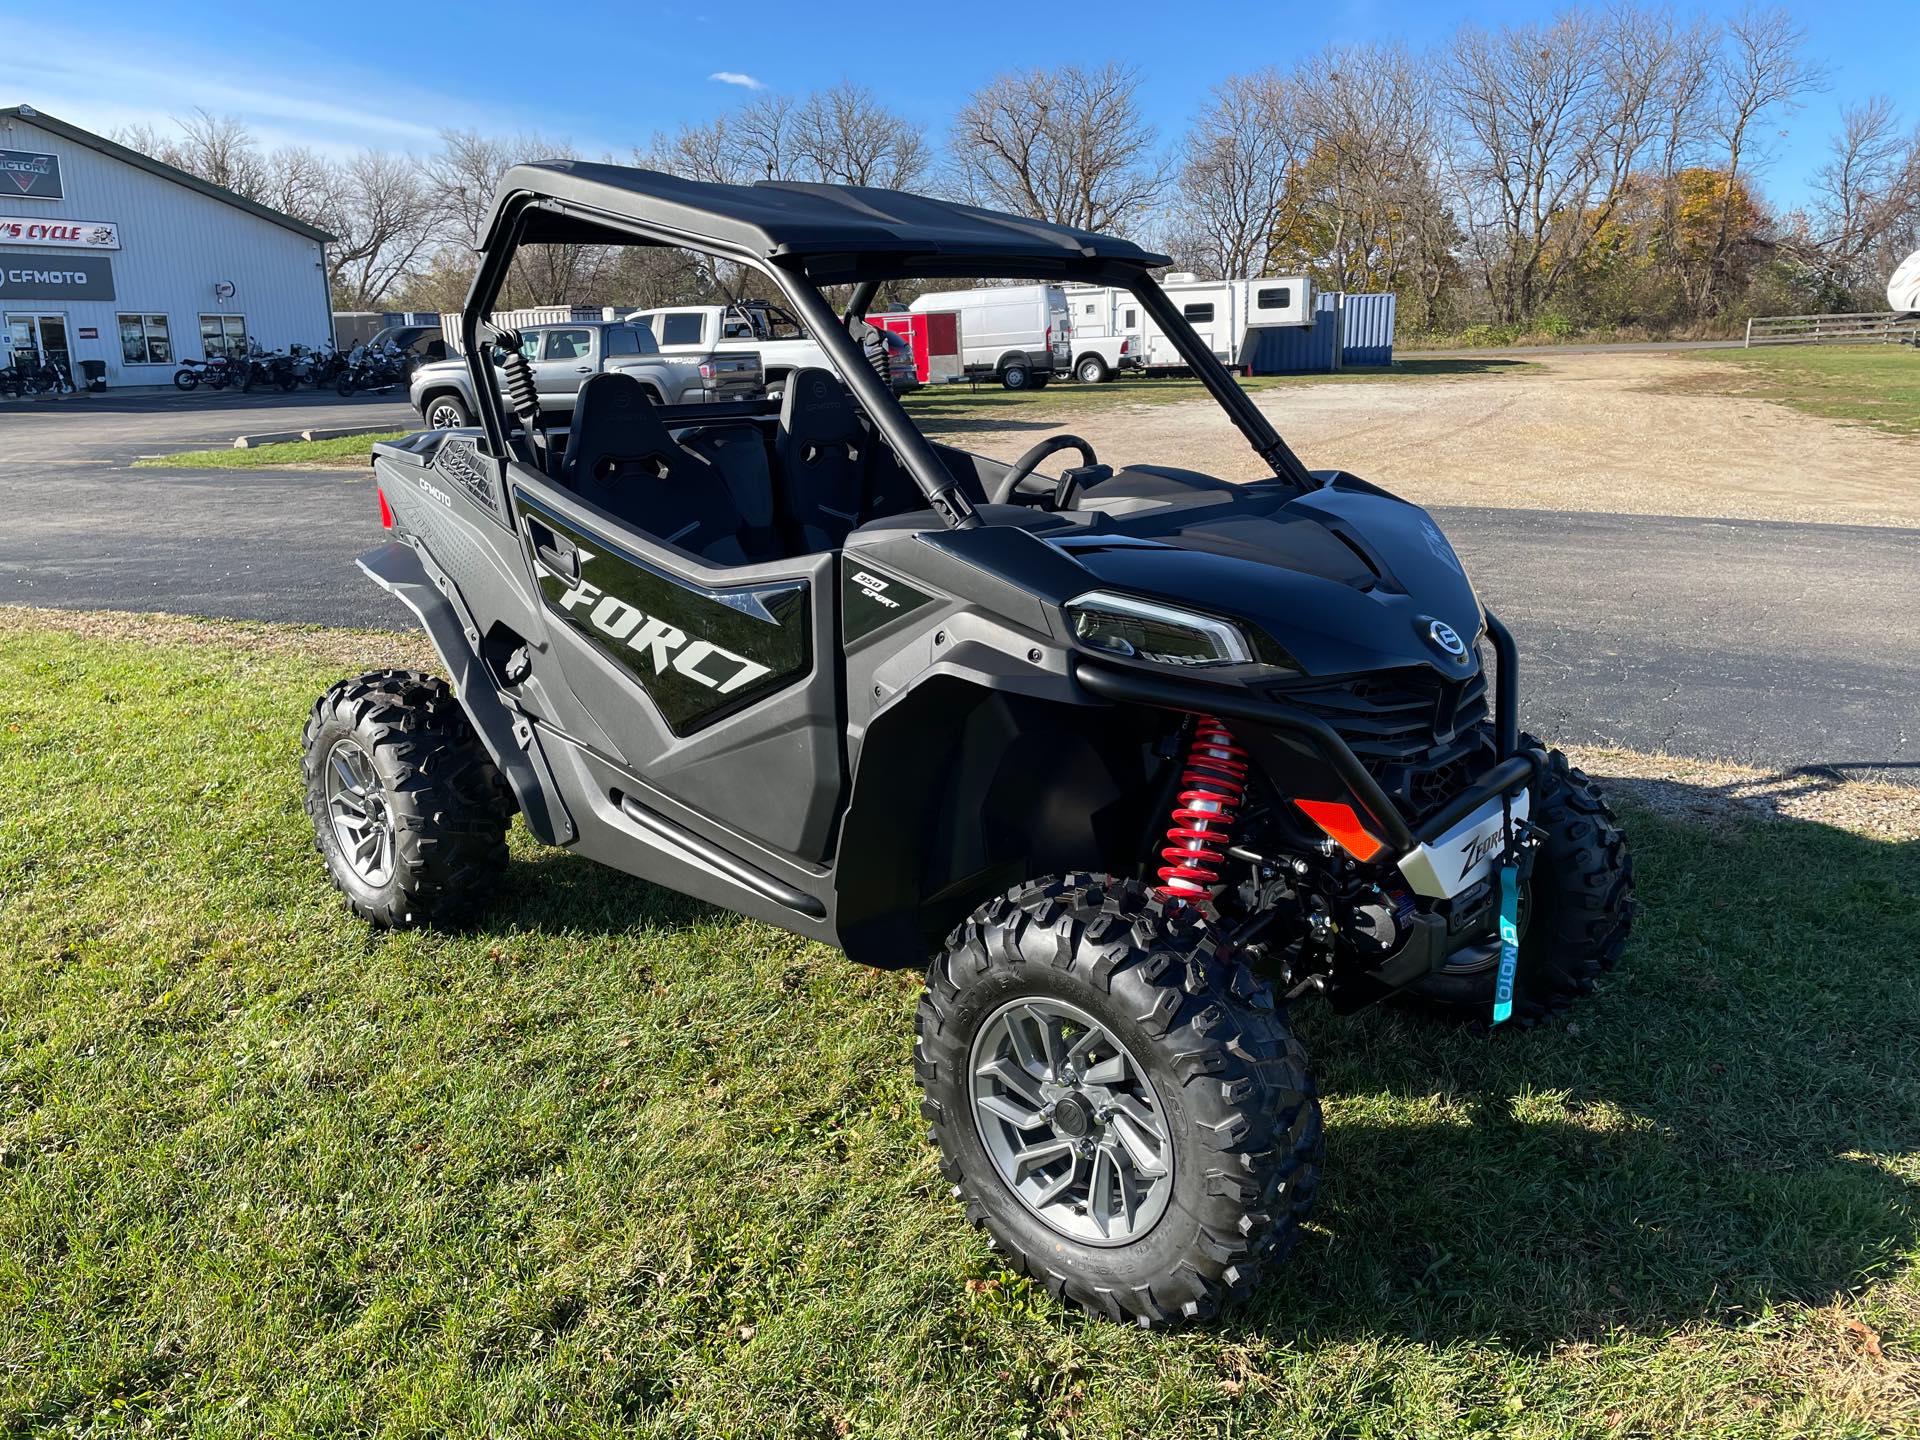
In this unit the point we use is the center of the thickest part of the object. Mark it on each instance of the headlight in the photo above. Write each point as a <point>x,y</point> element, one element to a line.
<point>1143,630</point>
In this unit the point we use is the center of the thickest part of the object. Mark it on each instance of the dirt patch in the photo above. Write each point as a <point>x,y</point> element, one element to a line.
<point>1622,434</point>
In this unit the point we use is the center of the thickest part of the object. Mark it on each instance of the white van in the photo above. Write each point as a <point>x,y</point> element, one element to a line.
<point>1019,334</point>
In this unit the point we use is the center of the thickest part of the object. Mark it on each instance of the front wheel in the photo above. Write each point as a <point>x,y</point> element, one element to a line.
<point>1575,912</point>
<point>408,809</point>
<point>1117,1099</point>
<point>343,387</point>
<point>447,412</point>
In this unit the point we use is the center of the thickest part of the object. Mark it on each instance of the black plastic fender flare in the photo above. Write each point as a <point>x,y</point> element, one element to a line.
<point>399,569</point>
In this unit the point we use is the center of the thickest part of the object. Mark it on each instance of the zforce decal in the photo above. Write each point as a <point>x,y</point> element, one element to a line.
<point>870,598</point>
<point>698,654</point>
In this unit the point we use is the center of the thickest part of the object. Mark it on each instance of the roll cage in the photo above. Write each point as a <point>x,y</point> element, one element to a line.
<point>806,236</point>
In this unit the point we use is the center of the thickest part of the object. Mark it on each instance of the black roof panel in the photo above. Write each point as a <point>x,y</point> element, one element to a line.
<point>824,227</point>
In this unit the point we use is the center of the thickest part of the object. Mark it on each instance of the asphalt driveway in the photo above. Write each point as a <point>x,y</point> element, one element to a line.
<point>1770,643</point>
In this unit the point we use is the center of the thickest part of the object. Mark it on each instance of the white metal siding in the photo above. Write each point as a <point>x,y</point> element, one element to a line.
<point>175,243</point>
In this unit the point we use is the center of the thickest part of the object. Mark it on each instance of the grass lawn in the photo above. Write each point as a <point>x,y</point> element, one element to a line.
<point>343,452</point>
<point>1877,385</point>
<point>988,401</point>
<point>618,1163</point>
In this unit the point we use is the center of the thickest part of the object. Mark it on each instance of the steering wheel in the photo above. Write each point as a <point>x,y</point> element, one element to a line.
<point>1004,490</point>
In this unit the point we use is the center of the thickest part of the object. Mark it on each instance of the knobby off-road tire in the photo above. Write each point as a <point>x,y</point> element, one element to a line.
<point>390,756</point>
<point>1578,908</point>
<point>1239,1117</point>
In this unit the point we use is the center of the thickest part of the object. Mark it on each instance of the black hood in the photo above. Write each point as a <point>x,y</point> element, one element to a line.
<point>1344,578</point>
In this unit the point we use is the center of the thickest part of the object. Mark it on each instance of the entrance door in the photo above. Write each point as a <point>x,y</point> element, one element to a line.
<point>46,335</point>
<point>715,684</point>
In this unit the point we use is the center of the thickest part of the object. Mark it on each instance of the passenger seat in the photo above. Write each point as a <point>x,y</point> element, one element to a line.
<point>621,458</point>
<point>821,468</point>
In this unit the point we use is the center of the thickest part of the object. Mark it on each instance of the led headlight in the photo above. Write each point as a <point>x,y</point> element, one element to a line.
<point>1144,630</point>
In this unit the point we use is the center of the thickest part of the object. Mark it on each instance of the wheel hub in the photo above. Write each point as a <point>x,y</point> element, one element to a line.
<point>1071,1121</point>
<point>363,829</point>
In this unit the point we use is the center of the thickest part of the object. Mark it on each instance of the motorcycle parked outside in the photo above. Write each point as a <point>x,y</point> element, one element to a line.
<point>34,374</point>
<point>270,367</point>
<point>373,368</point>
<point>216,373</point>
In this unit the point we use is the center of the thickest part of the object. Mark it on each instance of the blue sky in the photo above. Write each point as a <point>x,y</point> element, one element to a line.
<point>606,76</point>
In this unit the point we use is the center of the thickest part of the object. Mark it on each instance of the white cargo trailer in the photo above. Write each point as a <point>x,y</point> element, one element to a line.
<point>1224,313</point>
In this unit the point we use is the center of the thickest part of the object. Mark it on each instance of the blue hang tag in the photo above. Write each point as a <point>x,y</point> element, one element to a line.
<point>1509,941</point>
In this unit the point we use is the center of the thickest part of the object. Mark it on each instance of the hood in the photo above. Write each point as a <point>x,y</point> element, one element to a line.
<point>1344,578</point>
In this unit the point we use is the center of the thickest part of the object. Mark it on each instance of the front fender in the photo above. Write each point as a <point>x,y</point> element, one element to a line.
<point>399,569</point>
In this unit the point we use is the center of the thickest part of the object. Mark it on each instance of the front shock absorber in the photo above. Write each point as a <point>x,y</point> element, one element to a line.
<point>1213,783</point>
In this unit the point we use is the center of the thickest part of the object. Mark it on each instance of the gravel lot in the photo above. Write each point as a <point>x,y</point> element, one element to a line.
<point>1618,434</point>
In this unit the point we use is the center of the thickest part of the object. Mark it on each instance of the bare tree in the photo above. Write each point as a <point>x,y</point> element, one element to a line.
<point>846,136</point>
<point>1867,191</point>
<point>1067,145</point>
<point>384,222</point>
<point>1233,175</point>
<point>1762,68</point>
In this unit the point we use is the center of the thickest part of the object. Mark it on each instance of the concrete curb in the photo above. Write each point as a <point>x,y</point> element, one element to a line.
<point>317,432</point>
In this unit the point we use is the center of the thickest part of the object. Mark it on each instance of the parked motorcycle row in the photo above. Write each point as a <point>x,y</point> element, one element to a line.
<point>364,367</point>
<point>34,374</point>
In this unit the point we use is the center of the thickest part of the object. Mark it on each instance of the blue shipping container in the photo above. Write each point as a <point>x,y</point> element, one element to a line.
<point>1299,349</point>
<point>1366,329</point>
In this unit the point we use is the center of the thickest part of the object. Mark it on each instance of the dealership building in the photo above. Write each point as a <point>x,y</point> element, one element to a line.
<point>110,255</point>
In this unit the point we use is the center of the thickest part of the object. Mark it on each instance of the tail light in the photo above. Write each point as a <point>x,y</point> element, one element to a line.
<point>708,369</point>
<point>386,510</point>
<point>1125,346</point>
<point>1049,337</point>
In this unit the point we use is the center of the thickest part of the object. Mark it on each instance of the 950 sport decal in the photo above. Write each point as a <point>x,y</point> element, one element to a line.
<point>871,598</point>
<point>698,654</point>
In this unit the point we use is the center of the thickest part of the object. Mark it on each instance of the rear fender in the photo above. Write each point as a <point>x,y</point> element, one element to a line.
<point>402,572</point>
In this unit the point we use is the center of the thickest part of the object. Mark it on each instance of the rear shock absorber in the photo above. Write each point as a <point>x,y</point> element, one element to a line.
<point>1213,783</point>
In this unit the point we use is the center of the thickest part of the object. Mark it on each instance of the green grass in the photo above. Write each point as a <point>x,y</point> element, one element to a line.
<point>343,451</point>
<point>614,1162</point>
<point>1877,385</point>
<point>934,404</point>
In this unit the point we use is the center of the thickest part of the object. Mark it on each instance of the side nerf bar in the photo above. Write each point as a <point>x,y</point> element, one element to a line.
<point>1515,768</point>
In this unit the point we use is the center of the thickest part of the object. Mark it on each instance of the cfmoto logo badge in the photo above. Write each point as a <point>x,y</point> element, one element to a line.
<point>1445,638</point>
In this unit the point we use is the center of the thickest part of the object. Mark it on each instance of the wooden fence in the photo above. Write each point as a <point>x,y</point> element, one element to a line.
<point>1882,327</point>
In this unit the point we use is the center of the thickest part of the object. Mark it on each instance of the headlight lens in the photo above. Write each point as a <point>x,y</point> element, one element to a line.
<point>1143,630</point>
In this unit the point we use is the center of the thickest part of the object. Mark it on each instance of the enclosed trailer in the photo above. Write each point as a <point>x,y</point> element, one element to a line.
<point>1225,313</point>
<point>936,339</point>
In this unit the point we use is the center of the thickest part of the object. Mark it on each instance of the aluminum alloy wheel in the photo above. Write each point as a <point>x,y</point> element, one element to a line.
<point>1071,1121</point>
<point>357,806</point>
<point>445,416</point>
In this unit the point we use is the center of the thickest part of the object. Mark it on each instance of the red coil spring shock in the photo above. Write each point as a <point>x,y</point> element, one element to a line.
<point>1212,786</point>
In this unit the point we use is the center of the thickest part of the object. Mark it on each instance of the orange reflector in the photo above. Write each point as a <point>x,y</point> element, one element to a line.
<point>1343,826</point>
<point>386,510</point>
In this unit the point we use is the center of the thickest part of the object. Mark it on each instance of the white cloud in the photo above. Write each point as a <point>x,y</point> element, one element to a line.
<point>736,77</point>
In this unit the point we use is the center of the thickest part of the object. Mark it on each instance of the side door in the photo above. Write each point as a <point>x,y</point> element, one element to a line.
<point>715,687</point>
<point>568,355</point>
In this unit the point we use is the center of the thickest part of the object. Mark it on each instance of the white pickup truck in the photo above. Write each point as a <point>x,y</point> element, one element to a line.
<point>781,342</point>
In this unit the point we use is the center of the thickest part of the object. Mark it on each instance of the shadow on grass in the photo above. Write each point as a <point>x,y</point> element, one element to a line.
<point>1716,1133</point>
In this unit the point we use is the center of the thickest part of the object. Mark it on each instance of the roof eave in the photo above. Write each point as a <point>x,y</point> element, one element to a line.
<point>39,119</point>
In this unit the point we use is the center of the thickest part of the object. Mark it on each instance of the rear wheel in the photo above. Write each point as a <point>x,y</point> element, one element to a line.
<point>1117,1099</point>
<point>185,380</point>
<point>1575,913</point>
<point>1091,371</point>
<point>408,809</point>
<point>1016,376</point>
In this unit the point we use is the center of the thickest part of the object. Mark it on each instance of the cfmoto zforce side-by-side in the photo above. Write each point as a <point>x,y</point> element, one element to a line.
<point>1128,758</point>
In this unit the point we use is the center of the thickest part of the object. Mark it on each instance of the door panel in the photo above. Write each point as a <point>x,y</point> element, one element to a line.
<point>567,358</point>
<point>717,686</point>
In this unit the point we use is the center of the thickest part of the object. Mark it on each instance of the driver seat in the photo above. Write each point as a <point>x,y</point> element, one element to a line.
<point>819,445</point>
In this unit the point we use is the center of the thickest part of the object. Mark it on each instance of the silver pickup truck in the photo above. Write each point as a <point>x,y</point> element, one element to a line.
<point>565,354</point>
